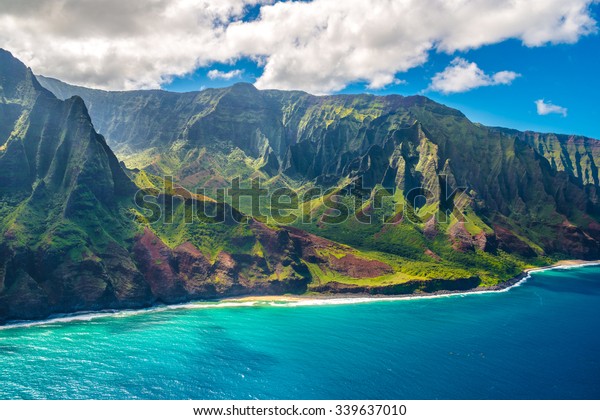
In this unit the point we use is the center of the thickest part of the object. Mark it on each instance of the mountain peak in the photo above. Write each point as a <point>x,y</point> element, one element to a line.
<point>44,138</point>
<point>243,86</point>
<point>18,82</point>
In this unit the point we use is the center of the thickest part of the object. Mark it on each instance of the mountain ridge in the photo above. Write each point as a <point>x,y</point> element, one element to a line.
<point>430,200</point>
<point>55,84</point>
<point>297,140</point>
<point>67,90</point>
<point>71,238</point>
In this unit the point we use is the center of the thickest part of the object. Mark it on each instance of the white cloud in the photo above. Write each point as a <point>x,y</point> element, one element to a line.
<point>320,46</point>
<point>461,76</point>
<point>217,74</point>
<point>118,44</point>
<point>383,80</point>
<point>545,108</point>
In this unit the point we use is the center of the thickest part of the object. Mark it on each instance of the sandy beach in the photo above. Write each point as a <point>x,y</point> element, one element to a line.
<point>312,299</point>
<point>563,263</point>
<point>364,297</point>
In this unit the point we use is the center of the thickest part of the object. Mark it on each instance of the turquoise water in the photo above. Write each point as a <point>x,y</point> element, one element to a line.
<point>539,340</point>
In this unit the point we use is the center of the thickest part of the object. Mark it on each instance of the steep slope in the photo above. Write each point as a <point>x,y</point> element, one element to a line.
<point>142,120</point>
<point>410,195</point>
<point>576,155</point>
<point>525,193</point>
<point>63,238</point>
<point>286,118</point>
<point>73,239</point>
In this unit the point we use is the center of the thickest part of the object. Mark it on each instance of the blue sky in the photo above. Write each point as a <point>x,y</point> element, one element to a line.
<point>567,75</point>
<point>493,59</point>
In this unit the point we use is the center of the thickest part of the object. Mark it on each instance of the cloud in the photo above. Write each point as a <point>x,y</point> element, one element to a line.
<point>217,74</point>
<point>461,76</point>
<point>545,108</point>
<point>117,44</point>
<point>319,46</point>
<point>381,81</point>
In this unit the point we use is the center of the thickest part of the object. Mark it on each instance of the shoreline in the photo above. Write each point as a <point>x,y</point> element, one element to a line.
<point>500,287</point>
<point>297,300</point>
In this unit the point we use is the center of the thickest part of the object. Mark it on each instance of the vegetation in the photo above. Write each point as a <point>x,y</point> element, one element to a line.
<point>391,195</point>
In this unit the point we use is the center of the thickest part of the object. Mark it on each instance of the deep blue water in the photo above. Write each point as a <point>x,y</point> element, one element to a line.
<point>540,340</point>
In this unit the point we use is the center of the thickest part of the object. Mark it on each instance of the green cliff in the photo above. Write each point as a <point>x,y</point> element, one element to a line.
<point>528,194</point>
<point>394,195</point>
<point>72,238</point>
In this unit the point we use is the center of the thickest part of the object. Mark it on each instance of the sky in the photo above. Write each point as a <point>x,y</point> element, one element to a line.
<point>524,64</point>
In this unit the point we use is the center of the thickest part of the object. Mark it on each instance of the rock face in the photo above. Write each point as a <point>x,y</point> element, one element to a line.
<point>469,206</point>
<point>62,238</point>
<point>69,241</point>
<point>185,273</point>
<point>529,184</point>
<point>407,288</point>
<point>178,274</point>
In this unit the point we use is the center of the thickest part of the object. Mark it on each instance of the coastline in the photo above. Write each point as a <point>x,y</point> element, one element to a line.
<point>500,287</point>
<point>297,300</point>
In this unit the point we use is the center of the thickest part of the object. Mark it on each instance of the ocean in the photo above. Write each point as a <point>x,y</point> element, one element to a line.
<point>540,340</point>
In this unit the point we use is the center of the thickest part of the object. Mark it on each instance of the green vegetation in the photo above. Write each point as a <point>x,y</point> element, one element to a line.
<point>394,194</point>
<point>297,141</point>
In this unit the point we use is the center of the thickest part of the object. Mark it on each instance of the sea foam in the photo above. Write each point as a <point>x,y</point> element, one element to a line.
<point>280,302</point>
